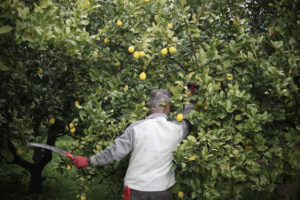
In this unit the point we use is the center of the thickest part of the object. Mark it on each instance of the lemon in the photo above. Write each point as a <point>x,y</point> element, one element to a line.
<point>136,55</point>
<point>82,197</point>
<point>52,121</point>
<point>71,125</point>
<point>164,51</point>
<point>142,76</point>
<point>229,78</point>
<point>192,158</point>
<point>119,23</point>
<point>142,54</point>
<point>131,49</point>
<point>106,40</point>
<point>76,103</point>
<point>146,1</point>
<point>170,26</point>
<point>242,109</point>
<point>271,31</point>
<point>41,71</point>
<point>172,50</point>
<point>73,130</point>
<point>180,195</point>
<point>117,64</point>
<point>68,167</point>
<point>95,53</point>
<point>67,128</point>
<point>198,105</point>
<point>206,107</point>
<point>179,117</point>
<point>198,170</point>
<point>19,151</point>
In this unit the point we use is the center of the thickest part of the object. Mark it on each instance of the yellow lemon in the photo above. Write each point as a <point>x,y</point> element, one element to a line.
<point>180,195</point>
<point>172,50</point>
<point>198,170</point>
<point>146,1</point>
<point>41,71</point>
<point>170,26</point>
<point>136,55</point>
<point>119,23</point>
<point>82,197</point>
<point>142,54</point>
<point>76,103</point>
<point>242,109</point>
<point>131,49</point>
<point>198,105</point>
<point>68,167</point>
<point>142,76</point>
<point>95,53</point>
<point>229,78</point>
<point>67,128</point>
<point>73,130</point>
<point>52,121</point>
<point>164,51</point>
<point>106,40</point>
<point>192,158</point>
<point>117,64</point>
<point>179,117</point>
<point>206,107</point>
<point>71,125</point>
<point>19,151</point>
<point>271,31</point>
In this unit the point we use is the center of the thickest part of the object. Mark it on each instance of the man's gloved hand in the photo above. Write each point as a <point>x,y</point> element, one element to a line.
<point>78,161</point>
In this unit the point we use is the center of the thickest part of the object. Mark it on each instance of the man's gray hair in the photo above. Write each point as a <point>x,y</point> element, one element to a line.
<point>159,98</point>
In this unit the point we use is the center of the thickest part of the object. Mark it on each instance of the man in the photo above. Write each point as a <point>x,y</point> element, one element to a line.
<point>151,142</point>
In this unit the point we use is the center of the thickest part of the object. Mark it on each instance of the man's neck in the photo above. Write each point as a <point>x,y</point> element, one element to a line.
<point>158,111</point>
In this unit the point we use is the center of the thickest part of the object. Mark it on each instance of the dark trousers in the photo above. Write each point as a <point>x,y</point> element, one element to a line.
<point>141,195</point>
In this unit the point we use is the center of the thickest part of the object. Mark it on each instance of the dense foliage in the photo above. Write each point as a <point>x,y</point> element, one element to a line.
<point>70,60</point>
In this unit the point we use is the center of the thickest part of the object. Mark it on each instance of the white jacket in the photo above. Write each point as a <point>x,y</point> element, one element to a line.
<point>151,142</point>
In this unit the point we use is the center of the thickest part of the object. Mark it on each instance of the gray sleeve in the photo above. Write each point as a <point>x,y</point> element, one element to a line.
<point>116,151</point>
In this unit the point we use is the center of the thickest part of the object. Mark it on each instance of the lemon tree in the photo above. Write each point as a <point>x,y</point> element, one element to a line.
<point>108,55</point>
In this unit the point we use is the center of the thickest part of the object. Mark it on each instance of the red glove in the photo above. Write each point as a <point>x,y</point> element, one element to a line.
<point>78,161</point>
<point>192,87</point>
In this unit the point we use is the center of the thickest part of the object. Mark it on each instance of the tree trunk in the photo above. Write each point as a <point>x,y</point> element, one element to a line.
<point>36,180</point>
<point>40,157</point>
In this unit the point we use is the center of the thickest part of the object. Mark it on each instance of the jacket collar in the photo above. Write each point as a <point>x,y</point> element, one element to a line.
<point>157,115</point>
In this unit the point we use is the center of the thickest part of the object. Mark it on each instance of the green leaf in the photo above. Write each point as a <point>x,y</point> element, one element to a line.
<point>238,118</point>
<point>3,67</point>
<point>192,139</point>
<point>237,138</point>
<point>214,173</point>
<point>5,29</point>
<point>85,22</point>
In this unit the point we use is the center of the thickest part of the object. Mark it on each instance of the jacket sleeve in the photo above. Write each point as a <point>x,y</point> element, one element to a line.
<point>185,123</point>
<point>116,151</point>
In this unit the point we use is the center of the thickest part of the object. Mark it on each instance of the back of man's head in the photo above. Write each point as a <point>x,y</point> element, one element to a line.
<point>158,99</point>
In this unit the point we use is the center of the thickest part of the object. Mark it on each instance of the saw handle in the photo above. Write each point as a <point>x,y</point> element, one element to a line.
<point>69,155</point>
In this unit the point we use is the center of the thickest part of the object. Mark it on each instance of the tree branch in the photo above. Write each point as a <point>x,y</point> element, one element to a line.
<point>17,159</point>
<point>191,41</point>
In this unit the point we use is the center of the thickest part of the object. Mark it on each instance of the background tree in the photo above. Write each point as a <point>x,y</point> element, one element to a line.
<point>243,55</point>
